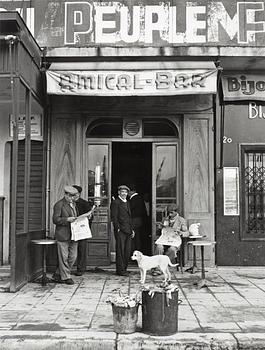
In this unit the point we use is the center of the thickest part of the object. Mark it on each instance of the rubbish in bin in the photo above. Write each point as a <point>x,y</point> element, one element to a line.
<point>125,311</point>
<point>160,310</point>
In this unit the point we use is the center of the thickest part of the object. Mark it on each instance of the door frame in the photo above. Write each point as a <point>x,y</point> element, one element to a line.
<point>155,142</point>
<point>179,195</point>
<point>107,143</point>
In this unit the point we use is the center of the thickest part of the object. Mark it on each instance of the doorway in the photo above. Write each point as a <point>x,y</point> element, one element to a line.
<point>132,163</point>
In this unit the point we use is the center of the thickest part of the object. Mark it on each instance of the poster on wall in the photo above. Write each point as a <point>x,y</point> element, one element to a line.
<point>35,125</point>
<point>231,191</point>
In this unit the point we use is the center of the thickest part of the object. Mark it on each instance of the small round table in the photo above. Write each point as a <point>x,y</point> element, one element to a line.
<point>193,268</point>
<point>202,283</point>
<point>44,243</point>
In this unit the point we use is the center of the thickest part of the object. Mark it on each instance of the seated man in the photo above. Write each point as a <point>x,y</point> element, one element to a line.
<point>173,222</point>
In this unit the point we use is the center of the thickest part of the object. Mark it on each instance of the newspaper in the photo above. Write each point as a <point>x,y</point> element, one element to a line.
<point>80,228</point>
<point>169,236</point>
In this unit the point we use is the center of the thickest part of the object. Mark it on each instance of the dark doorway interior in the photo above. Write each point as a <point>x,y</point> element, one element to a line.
<point>132,163</point>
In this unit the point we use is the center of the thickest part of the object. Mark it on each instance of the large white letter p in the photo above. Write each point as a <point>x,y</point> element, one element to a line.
<point>78,20</point>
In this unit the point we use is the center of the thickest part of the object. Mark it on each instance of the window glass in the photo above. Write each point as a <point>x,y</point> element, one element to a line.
<point>109,127</point>
<point>98,157</point>
<point>254,193</point>
<point>113,127</point>
<point>159,128</point>
<point>166,171</point>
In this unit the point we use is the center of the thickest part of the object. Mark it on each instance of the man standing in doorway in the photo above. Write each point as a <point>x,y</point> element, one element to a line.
<point>65,212</point>
<point>123,230</point>
<point>139,217</point>
<point>83,207</point>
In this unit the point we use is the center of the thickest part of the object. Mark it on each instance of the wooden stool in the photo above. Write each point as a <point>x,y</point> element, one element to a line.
<point>44,243</point>
<point>202,283</point>
<point>193,268</point>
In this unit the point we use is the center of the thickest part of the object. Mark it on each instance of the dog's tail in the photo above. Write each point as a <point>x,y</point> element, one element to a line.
<point>172,265</point>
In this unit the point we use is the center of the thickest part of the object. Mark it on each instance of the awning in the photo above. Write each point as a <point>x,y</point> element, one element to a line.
<point>131,78</point>
<point>242,86</point>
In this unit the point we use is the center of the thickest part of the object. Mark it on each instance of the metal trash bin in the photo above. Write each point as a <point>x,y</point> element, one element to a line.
<point>160,313</point>
<point>125,319</point>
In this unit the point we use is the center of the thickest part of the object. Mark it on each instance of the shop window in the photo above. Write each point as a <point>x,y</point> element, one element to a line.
<point>253,187</point>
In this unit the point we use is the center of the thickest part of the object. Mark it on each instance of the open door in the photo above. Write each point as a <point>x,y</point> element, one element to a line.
<point>27,189</point>
<point>132,164</point>
<point>165,182</point>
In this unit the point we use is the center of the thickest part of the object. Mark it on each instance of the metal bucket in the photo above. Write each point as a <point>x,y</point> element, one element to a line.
<point>159,313</point>
<point>125,319</point>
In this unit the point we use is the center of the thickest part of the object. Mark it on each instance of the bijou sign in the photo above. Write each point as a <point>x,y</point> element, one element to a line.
<point>243,87</point>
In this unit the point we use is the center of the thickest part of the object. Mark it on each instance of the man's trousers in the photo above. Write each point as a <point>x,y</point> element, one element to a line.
<point>123,251</point>
<point>81,255</point>
<point>67,253</point>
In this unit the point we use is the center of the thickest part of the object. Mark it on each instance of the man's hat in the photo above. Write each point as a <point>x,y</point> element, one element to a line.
<point>172,207</point>
<point>132,187</point>
<point>70,190</point>
<point>123,187</point>
<point>79,188</point>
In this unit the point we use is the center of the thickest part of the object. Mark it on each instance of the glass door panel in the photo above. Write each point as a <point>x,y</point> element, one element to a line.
<point>98,155</point>
<point>98,245</point>
<point>165,182</point>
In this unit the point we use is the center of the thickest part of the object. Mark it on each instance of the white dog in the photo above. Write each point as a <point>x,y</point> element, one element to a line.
<point>146,263</point>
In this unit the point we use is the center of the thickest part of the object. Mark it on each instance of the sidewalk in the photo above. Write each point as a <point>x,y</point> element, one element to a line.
<point>230,314</point>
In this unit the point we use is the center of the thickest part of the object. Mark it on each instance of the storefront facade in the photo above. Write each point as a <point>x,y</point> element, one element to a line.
<point>136,88</point>
<point>240,182</point>
<point>162,144</point>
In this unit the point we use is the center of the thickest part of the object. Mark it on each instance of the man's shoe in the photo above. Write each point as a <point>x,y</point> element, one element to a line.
<point>156,272</point>
<point>56,278</point>
<point>125,273</point>
<point>79,273</point>
<point>68,281</point>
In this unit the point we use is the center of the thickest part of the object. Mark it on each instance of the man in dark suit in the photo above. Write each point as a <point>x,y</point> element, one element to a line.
<point>123,230</point>
<point>139,217</point>
<point>65,212</point>
<point>83,207</point>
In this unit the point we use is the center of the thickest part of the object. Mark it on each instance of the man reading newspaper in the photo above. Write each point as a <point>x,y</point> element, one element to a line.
<point>173,227</point>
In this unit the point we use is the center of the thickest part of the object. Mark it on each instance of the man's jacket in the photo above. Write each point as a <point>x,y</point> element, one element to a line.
<point>62,211</point>
<point>121,216</point>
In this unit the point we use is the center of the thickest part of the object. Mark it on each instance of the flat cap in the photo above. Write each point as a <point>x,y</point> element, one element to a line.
<point>172,207</point>
<point>123,187</point>
<point>79,188</point>
<point>70,190</point>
